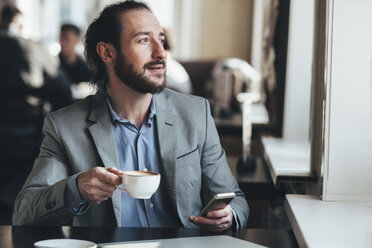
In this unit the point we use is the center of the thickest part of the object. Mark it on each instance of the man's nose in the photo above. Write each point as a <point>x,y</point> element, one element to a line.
<point>158,51</point>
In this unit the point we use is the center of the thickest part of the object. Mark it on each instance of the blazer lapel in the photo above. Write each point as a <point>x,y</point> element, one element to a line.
<point>167,137</point>
<point>104,139</point>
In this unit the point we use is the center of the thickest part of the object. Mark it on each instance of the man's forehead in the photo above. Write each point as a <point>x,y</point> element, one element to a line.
<point>140,20</point>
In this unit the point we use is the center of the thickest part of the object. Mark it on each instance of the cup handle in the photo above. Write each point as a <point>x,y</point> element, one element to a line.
<point>122,189</point>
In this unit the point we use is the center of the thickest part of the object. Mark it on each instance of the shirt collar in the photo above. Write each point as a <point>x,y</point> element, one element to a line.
<point>115,117</point>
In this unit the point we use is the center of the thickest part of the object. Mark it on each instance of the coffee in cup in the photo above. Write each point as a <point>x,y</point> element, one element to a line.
<point>140,184</point>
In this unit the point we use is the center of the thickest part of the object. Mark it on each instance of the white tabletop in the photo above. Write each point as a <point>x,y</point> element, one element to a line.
<point>219,241</point>
<point>287,157</point>
<point>318,223</point>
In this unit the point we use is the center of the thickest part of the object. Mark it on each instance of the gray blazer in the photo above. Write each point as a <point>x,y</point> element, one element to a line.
<point>81,137</point>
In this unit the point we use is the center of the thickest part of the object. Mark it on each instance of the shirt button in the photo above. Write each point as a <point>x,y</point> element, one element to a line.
<point>151,205</point>
<point>145,170</point>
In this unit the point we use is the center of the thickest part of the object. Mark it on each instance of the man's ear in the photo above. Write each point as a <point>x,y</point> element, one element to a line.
<point>106,52</point>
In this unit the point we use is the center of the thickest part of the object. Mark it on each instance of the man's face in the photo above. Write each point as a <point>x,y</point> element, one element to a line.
<point>141,63</point>
<point>68,40</point>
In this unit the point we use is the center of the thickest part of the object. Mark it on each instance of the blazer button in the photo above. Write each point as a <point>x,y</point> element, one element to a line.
<point>50,205</point>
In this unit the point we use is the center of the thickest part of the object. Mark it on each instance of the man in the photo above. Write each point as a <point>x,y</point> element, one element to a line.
<point>74,66</point>
<point>30,86</point>
<point>132,123</point>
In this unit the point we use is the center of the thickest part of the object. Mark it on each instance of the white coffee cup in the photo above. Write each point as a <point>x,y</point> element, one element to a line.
<point>140,184</point>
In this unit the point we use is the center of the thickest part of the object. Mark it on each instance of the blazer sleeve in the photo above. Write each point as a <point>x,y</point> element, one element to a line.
<point>41,200</point>
<point>216,172</point>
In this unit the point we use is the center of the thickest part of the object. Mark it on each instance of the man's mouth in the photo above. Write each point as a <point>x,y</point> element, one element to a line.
<point>156,66</point>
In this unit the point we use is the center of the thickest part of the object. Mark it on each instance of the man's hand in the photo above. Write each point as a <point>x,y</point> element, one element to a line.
<point>216,221</point>
<point>98,184</point>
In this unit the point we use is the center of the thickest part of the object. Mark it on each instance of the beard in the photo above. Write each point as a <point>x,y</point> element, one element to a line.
<point>137,80</point>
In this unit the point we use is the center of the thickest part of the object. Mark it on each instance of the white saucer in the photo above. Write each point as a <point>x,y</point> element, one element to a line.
<point>65,243</point>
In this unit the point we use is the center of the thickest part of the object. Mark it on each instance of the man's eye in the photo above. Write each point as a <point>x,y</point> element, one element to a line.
<point>162,41</point>
<point>144,40</point>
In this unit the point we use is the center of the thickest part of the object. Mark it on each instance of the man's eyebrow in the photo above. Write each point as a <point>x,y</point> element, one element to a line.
<point>142,33</point>
<point>148,33</point>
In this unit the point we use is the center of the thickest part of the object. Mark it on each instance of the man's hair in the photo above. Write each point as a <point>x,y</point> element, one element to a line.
<point>106,28</point>
<point>8,13</point>
<point>70,27</point>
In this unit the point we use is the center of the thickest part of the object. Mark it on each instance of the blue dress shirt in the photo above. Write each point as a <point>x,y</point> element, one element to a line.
<point>138,149</point>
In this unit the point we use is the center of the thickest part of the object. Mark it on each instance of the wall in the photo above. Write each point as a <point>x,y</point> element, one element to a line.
<point>225,29</point>
<point>298,77</point>
<point>186,29</point>
<point>348,122</point>
<point>257,33</point>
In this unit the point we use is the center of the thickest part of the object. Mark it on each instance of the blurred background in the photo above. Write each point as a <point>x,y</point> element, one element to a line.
<point>234,53</point>
<point>221,50</point>
<point>195,25</point>
<point>289,84</point>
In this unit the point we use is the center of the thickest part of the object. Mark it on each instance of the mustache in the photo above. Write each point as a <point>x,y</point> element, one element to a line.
<point>155,62</point>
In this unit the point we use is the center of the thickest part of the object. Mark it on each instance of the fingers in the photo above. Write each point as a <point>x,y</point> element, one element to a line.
<point>217,221</point>
<point>98,184</point>
<point>99,187</point>
<point>107,175</point>
<point>115,171</point>
<point>97,196</point>
<point>217,214</point>
<point>215,225</point>
<point>210,222</point>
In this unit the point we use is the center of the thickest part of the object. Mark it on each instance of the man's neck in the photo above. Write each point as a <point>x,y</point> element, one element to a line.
<point>128,103</point>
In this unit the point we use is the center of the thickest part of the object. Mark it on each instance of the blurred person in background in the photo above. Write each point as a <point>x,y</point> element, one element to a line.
<point>75,67</point>
<point>177,77</point>
<point>30,85</point>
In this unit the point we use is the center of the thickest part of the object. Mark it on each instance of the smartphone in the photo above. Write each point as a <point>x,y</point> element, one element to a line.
<point>219,201</point>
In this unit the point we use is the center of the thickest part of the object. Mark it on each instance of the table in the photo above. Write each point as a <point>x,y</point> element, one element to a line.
<point>288,160</point>
<point>259,116</point>
<point>233,124</point>
<point>318,223</point>
<point>21,237</point>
